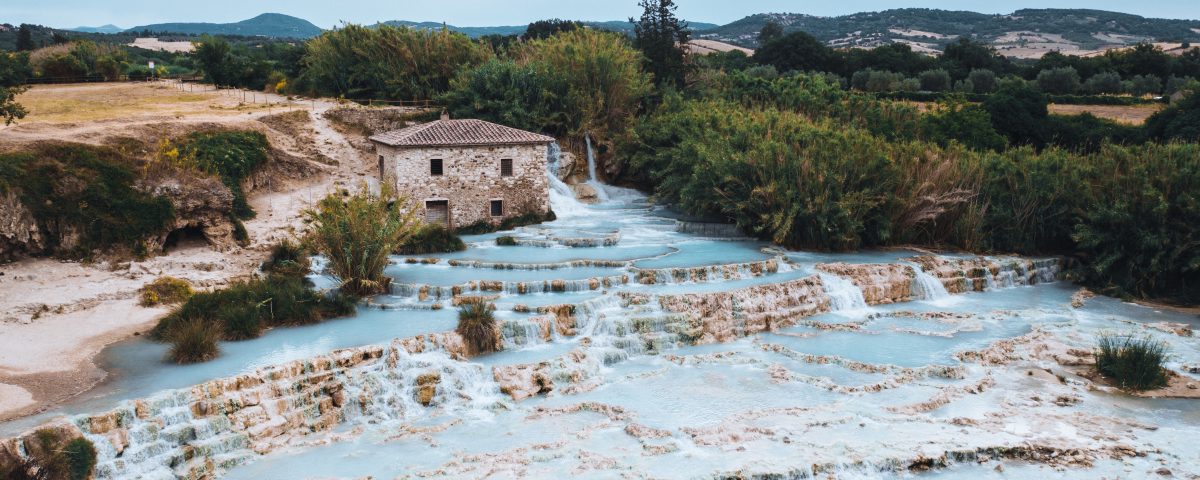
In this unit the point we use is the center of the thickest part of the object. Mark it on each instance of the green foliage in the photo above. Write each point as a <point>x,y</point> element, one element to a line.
<point>386,62</point>
<point>484,226</point>
<point>1138,235</point>
<point>165,290</point>
<point>193,341</point>
<point>231,155</point>
<point>1178,122</point>
<point>431,238</point>
<point>287,258</point>
<point>85,190</point>
<point>660,35</point>
<point>602,75</point>
<point>1019,113</point>
<point>357,233</point>
<point>770,31</point>
<point>477,326</point>
<point>243,309</point>
<point>798,182</point>
<point>526,96</point>
<point>937,80</point>
<point>14,69</point>
<point>1135,363</point>
<point>80,458</point>
<point>1063,80</point>
<point>982,80</point>
<point>797,52</point>
<point>547,28</point>
<point>956,120</point>
<point>506,241</point>
<point>24,38</point>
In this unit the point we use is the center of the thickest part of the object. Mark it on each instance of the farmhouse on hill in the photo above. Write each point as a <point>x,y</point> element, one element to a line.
<point>463,172</point>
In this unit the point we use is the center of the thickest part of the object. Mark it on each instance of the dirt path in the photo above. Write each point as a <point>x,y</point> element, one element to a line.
<point>56,316</point>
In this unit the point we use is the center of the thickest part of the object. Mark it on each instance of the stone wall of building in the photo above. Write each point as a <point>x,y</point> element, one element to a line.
<point>471,179</point>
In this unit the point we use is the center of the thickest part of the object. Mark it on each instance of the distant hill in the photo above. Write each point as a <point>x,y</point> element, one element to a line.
<point>266,25</point>
<point>1028,32</point>
<point>110,28</point>
<point>621,26</point>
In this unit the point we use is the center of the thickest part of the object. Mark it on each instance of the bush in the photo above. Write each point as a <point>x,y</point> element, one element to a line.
<point>1063,80</point>
<point>288,258</point>
<point>56,457</point>
<point>165,290</point>
<point>477,326</point>
<point>81,458</point>
<point>506,241</point>
<point>232,156</point>
<point>484,226</point>
<point>357,233</point>
<point>1135,363</point>
<point>193,340</point>
<point>431,238</point>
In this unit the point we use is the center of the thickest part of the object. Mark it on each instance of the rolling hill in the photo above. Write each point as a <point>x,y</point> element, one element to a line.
<point>266,25</point>
<point>1027,32</point>
<point>476,32</point>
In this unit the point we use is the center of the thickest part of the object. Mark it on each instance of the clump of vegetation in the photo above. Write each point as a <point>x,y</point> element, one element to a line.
<point>357,232</point>
<point>484,226</point>
<point>87,193</point>
<point>431,238</point>
<point>1135,363</point>
<point>288,258</point>
<point>506,241</point>
<point>244,309</point>
<point>165,290</point>
<point>55,455</point>
<point>232,156</point>
<point>193,340</point>
<point>477,326</point>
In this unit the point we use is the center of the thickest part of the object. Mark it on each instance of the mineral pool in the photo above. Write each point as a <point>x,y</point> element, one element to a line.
<point>632,350</point>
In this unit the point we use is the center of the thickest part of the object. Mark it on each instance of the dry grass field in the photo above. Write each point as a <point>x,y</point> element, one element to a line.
<point>106,101</point>
<point>1130,114</point>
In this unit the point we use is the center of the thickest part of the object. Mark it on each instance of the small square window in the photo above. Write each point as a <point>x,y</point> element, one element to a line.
<point>505,167</point>
<point>435,167</point>
<point>497,208</point>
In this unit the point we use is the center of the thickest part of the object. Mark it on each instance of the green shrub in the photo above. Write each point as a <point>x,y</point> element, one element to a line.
<point>431,238</point>
<point>165,290</point>
<point>484,226</point>
<point>287,258</point>
<point>1135,363</point>
<point>477,326</point>
<point>506,241</point>
<point>193,340</point>
<point>56,456</point>
<point>87,190</point>
<point>357,233</point>
<point>232,156</point>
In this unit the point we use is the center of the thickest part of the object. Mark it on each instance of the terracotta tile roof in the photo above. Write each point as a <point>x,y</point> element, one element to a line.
<point>444,133</point>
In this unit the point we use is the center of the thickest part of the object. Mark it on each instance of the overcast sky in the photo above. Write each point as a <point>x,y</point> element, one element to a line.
<point>327,13</point>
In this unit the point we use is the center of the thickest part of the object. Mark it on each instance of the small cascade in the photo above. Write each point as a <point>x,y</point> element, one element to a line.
<point>522,332</point>
<point>843,294</point>
<point>436,292</point>
<point>601,193</point>
<point>385,391</point>
<point>926,286</point>
<point>709,273</point>
<point>562,199</point>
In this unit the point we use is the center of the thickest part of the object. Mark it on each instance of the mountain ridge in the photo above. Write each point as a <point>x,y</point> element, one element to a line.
<point>266,25</point>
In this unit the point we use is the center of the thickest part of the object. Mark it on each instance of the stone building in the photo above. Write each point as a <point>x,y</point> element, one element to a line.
<point>463,172</point>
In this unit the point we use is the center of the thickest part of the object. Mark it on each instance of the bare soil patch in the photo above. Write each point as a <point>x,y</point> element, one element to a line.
<point>1128,114</point>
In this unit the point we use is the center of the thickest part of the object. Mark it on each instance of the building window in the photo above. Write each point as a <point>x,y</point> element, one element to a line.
<point>381,167</point>
<point>435,167</point>
<point>497,208</point>
<point>505,167</point>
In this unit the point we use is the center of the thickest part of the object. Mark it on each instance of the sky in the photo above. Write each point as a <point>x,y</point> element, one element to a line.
<point>326,13</point>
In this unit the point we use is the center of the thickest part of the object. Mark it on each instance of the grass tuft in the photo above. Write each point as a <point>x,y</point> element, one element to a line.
<point>506,241</point>
<point>165,290</point>
<point>193,341</point>
<point>431,238</point>
<point>1135,363</point>
<point>477,326</point>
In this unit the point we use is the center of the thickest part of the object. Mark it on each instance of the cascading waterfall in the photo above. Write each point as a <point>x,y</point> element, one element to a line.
<point>601,193</point>
<point>926,286</point>
<point>843,294</point>
<point>562,199</point>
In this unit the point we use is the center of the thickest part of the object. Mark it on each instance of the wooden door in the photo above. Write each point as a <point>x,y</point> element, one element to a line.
<point>437,212</point>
